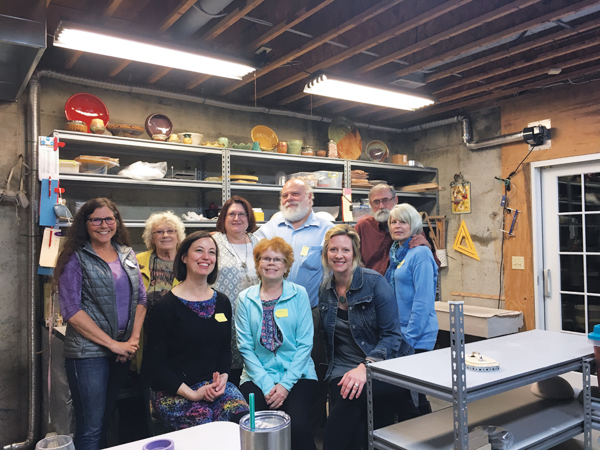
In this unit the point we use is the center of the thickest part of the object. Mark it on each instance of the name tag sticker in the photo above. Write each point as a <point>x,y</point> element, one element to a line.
<point>129,263</point>
<point>400,265</point>
<point>304,251</point>
<point>220,317</point>
<point>281,313</point>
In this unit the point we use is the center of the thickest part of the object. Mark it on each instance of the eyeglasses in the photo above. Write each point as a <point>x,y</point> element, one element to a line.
<point>97,221</point>
<point>268,260</point>
<point>234,215</point>
<point>170,232</point>
<point>383,201</point>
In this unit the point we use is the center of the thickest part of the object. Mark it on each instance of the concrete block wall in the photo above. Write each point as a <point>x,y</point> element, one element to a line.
<point>13,282</point>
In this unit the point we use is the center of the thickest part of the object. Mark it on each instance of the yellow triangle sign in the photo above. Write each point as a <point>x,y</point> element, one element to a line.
<point>467,248</point>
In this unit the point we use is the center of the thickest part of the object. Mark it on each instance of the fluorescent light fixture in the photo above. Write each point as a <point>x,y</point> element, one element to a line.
<point>101,42</point>
<point>334,87</point>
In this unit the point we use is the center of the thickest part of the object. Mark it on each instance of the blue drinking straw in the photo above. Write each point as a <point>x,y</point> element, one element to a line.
<point>252,423</point>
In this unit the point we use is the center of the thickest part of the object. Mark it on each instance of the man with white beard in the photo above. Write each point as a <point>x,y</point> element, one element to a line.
<point>375,239</point>
<point>305,232</point>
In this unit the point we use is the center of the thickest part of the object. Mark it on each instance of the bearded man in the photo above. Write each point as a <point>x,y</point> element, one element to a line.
<point>375,239</point>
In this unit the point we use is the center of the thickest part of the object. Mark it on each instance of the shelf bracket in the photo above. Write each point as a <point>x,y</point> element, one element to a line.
<point>225,172</point>
<point>587,404</point>
<point>459,377</point>
<point>370,405</point>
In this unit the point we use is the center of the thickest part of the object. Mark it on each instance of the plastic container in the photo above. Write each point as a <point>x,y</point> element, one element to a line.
<point>326,179</point>
<point>309,177</point>
<point>68,166</point>
<point>98,165</point>
<point>57,442</point>
<point>159,444</point>
<point>272,431</point>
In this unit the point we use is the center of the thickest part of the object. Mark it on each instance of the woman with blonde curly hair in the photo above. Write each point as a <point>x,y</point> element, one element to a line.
<point>275,337</point>
<point>162,235</point>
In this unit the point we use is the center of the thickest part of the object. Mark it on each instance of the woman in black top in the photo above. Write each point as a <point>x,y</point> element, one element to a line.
<point>188,356</point>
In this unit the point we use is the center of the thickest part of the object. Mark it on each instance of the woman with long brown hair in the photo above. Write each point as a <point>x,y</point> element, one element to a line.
<point>103,299</point>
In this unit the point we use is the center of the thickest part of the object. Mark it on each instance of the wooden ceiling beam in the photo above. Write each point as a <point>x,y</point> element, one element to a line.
<point>590,42</point>
<point>175,14</point>
<point>549,17</point>
<point>167,22</point>
<point>223,24</point>
<point>231,18</point>
<point>108,12</point>
<point>521,77</point>
<point>439,109</point>
<point>371,12</point>
<point>548,39</point>
<point>112,7</point>
<point>446,34</point>
<point>290,22</point>
<point>365,45</point>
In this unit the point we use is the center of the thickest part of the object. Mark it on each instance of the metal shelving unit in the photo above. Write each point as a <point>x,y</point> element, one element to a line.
<point>500,398</point>
<point>210,161</point>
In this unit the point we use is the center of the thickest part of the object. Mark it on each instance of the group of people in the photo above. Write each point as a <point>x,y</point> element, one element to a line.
<point>290,312</point>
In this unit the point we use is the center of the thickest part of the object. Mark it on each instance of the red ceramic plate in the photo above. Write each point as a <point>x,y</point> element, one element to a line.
<point>86,107</point>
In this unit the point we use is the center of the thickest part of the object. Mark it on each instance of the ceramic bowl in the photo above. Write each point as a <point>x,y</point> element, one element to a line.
<point>196,137</point>
<point>159,137</point>
<point>294,146</point>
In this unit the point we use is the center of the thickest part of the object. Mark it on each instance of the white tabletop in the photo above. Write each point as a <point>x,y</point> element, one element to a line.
<point>210,436</point>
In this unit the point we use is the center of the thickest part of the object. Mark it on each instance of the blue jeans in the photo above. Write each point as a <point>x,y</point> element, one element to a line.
<point>95,384</point>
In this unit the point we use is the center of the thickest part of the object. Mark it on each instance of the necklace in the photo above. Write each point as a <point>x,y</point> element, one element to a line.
<point>242,262</point>
<point>270,299</point>
<point>343,298</point>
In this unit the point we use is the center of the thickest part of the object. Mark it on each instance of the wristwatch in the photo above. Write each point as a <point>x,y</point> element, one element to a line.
<point>367,362</point>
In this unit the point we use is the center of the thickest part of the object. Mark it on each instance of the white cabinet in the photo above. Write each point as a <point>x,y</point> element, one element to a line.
<point>502,398</point>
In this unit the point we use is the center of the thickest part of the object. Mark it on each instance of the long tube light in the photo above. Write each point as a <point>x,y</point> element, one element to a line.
<point>87,39</point>
<point>334,87</point>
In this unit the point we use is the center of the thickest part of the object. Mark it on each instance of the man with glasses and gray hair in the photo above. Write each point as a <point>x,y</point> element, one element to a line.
<point>375,239</point>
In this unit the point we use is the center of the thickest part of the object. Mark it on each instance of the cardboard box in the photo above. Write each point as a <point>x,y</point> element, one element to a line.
<point>481,321</point>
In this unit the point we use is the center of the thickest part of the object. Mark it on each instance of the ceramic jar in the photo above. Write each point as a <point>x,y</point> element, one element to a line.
<point>97,126</point>
<point>282,147</point>
<point>294,146</point>
<point>308,151</point>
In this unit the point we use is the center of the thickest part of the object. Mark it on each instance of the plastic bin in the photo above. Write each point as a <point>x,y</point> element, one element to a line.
<point>68,166</point>
<point>98,165</point>
<point>309,177</point>
<point>326,179</point>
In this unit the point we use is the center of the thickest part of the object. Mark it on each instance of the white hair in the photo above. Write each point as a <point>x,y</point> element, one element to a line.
<point>159,218</point>
<point>407,213</point>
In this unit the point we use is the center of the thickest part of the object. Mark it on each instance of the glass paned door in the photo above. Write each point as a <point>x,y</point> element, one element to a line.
<point>571,246</point>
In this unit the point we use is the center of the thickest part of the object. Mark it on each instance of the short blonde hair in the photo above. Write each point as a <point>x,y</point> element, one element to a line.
<point>276,244</point>
<point>407,213</point>
<point>159,218</point>
<point>342,230</point>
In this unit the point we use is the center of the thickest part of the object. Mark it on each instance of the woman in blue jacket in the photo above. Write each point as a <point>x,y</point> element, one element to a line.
<point>275,337</point>
<point>413,276</point>
<point>360,325</point>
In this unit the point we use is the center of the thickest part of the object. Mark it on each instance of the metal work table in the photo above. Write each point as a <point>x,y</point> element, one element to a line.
<point>524,358</point>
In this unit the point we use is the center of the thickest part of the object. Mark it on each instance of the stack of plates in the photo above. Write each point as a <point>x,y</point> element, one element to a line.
<point>360,179</point>
<point>243,178</point>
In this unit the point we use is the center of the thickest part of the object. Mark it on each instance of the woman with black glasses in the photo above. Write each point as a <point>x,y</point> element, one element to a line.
<point>236,243</point>
<point>103,299</point>
<point>275,338</point>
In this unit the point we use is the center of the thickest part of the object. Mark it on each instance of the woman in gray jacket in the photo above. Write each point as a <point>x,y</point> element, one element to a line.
<point>103,299</point>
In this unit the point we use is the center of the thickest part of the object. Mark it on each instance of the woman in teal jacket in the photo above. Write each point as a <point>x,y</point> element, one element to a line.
<point>275,337</point>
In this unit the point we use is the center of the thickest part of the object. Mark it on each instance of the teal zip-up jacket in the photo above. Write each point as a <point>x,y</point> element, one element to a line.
<point>291,362</point>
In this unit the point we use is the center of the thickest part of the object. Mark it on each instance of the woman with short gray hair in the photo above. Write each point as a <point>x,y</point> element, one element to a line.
<point>413,276</point>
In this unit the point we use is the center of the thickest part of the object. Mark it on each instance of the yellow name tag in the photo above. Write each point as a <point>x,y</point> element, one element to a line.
<point>400,265</point>
<point>304,251</point>
<point>220,317</point>
<point>281,313</point>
